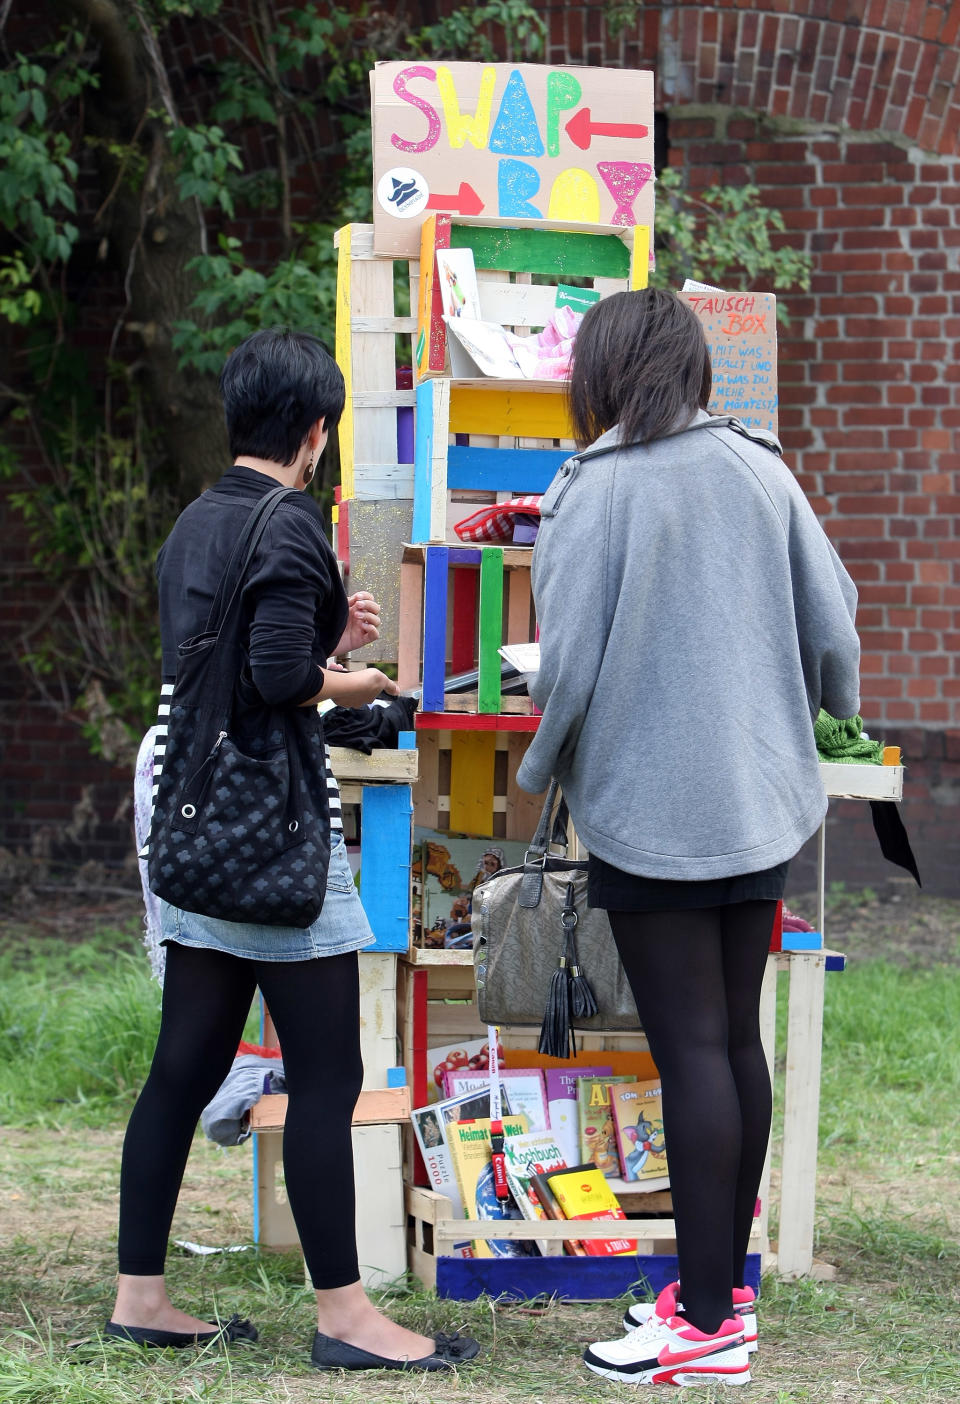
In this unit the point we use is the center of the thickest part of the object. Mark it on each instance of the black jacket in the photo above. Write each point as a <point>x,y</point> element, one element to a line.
<point>294,605</point>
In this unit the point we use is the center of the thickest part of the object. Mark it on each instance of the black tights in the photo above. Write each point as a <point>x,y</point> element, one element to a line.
<point>315,1006</point>
<point>696,978</point>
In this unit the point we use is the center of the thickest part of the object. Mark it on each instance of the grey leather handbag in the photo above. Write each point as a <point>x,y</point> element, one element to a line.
<point>540,954</point>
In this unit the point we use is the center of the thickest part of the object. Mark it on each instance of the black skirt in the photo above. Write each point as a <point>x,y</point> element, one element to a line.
<point>617,891</point>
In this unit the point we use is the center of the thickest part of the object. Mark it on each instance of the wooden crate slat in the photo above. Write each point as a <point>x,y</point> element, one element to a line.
<point>430,460</point>
<point>465,595</point>
<point>516,470</point>
<point>434,627</point>
<point>546,251</point>
<point>518,408</point>
<point>471,782</point>
<point>491,629</point>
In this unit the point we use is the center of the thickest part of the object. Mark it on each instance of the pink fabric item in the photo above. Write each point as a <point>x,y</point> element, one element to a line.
<point>495,522</point>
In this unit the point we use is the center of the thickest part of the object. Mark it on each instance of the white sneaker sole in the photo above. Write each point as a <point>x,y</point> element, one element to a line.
<point>749,1319</point>
<point>691,1374</point>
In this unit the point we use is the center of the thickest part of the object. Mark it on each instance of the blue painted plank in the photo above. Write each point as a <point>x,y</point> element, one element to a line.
<point>501,470</point>
<point>436,574</point>
<point>422,462</point>
<point>396,1077</point>
<point>465,556</point>
<point>407,741</point>
<point>385,864</point>
<point>802,941</point>
<point>578,1279</point>
<point>835,962</point>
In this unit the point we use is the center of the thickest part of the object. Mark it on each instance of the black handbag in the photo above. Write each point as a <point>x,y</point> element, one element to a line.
<point>241,825</point>
<point>540,954</point>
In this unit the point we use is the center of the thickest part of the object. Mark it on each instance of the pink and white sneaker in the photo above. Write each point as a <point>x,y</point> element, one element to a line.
<point>744,1303</point>
<point>666,1349</point>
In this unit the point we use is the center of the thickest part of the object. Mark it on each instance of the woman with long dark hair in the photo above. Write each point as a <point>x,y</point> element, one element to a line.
<point>693,619</point>
<point>282,395</point>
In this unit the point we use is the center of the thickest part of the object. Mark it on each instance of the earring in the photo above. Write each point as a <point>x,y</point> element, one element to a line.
<point>308,472</point>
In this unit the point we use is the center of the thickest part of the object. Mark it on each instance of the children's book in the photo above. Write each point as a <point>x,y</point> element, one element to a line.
<point>583,1193</point>
<point>469,1056</point>
<point>598,1137</point>
<point>527,1094</point>
<point>534,1153</point>
<point>638,1121</point>
<point>470,1151</point>
<point>548,1203</point>
<point>562,1106</point>
<point>430,1126</point>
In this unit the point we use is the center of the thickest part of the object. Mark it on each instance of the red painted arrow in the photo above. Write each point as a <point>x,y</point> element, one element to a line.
<point>465,202</point>
<point>580,129</point>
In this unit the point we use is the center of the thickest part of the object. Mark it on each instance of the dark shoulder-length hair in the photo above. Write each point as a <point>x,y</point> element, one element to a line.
<point>275,386</point>
<point>640,360</point>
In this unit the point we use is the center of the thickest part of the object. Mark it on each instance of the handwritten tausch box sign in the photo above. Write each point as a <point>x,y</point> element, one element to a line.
<point>508,141</point>
<point>741,332</point>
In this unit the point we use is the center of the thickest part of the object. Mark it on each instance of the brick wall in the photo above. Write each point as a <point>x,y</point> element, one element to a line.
<point>846,116</point>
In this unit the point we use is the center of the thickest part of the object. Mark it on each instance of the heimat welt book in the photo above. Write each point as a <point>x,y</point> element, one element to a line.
<point>470,1150</point>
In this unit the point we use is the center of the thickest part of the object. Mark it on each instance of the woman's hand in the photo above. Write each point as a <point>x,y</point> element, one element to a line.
<point>363,622</point>
<point>357,688</point>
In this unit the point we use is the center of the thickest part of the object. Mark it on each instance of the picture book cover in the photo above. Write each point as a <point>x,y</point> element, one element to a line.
<point>467,1056</point>
<point>598,1136</point>
<point>527,1093</point>
<point>446,868</point>
<point>562,1106</point>
<point>583,1193</point>
<point>470,1151</point>
<point>535,1152</point>
<point>638,1121</point>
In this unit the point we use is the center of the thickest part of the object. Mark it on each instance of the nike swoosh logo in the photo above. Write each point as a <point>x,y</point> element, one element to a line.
<point>696,1351</point>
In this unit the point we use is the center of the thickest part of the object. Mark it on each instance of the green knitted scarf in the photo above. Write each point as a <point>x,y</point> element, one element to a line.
<point>844,741</point>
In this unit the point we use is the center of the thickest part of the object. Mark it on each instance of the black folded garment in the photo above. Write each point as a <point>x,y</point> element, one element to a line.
<point>375,727</point>
<point>892,836</point>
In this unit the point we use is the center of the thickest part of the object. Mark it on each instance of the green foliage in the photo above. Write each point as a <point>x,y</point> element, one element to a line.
<point>721,231</point>
<point>466,33</point>
<point>206,160</point>
<point>235,299</point>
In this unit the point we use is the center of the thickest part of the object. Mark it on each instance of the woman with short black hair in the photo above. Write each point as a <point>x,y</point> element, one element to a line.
<point>693,619</point>
<point>282,394</point>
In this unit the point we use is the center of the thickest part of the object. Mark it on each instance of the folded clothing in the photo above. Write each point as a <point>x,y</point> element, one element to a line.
<point>844,741</point>
<point>225,1119</point>
<point>495,522</point>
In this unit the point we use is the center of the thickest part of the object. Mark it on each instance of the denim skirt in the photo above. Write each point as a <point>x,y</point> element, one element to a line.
<point>342,925</point>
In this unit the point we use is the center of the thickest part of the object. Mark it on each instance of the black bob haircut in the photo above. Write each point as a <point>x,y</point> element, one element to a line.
<point>275,385</point>
<point>640,360</point>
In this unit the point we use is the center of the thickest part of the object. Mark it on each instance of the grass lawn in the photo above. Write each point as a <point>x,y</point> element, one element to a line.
<point>76,1025</point>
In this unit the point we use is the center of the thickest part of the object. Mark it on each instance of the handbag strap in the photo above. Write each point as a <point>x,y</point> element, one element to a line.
<point>531,884</point>
<point>243,552</point>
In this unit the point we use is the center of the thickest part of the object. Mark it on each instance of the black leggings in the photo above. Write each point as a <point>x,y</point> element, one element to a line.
<point>696,977</point>
<point>315,1006</point>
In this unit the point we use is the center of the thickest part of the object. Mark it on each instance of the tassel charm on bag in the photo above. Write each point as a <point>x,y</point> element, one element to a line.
<point>570,994</point>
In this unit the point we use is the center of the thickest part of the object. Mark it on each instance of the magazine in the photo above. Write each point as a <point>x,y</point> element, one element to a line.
<point>527,1093</point>
<point>562,1106</point>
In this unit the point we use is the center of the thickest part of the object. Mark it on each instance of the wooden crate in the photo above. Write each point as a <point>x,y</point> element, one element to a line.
<point>606,260</point>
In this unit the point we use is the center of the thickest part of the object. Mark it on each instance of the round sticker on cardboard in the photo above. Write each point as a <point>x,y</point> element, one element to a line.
<point>402,192</point>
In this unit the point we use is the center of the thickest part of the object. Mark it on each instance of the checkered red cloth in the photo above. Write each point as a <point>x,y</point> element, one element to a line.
<point>495,522</point>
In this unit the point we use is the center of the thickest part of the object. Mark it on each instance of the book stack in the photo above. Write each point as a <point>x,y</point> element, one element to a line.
<point>571,1136</point>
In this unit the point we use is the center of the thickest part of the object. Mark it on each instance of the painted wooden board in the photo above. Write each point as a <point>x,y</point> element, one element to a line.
<point>435,591</point>
<point>471,782</point>
<point>514,470</point>
<point>378,531</point>
<point>451,721</point>
<point>510,141</point>
<point>519,626</point>
<point>801,1107</point>
<point>367,358</point>
<point>465,600</point>
<point>386,817</point>
<point>515,406</point>
<point>491,629</point>
<point>385,1104</point>
<point>571,1279</point>
<point>430,460</point>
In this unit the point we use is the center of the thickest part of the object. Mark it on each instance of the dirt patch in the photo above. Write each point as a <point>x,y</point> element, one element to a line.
<point>898,923</point>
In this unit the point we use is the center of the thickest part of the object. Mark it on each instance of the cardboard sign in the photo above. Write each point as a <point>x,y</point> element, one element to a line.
<point>509,141</point>
<point>741,332</point>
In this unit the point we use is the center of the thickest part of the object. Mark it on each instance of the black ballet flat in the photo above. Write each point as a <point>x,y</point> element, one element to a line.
<point>451,1351</point>
<point>227,1331</point>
